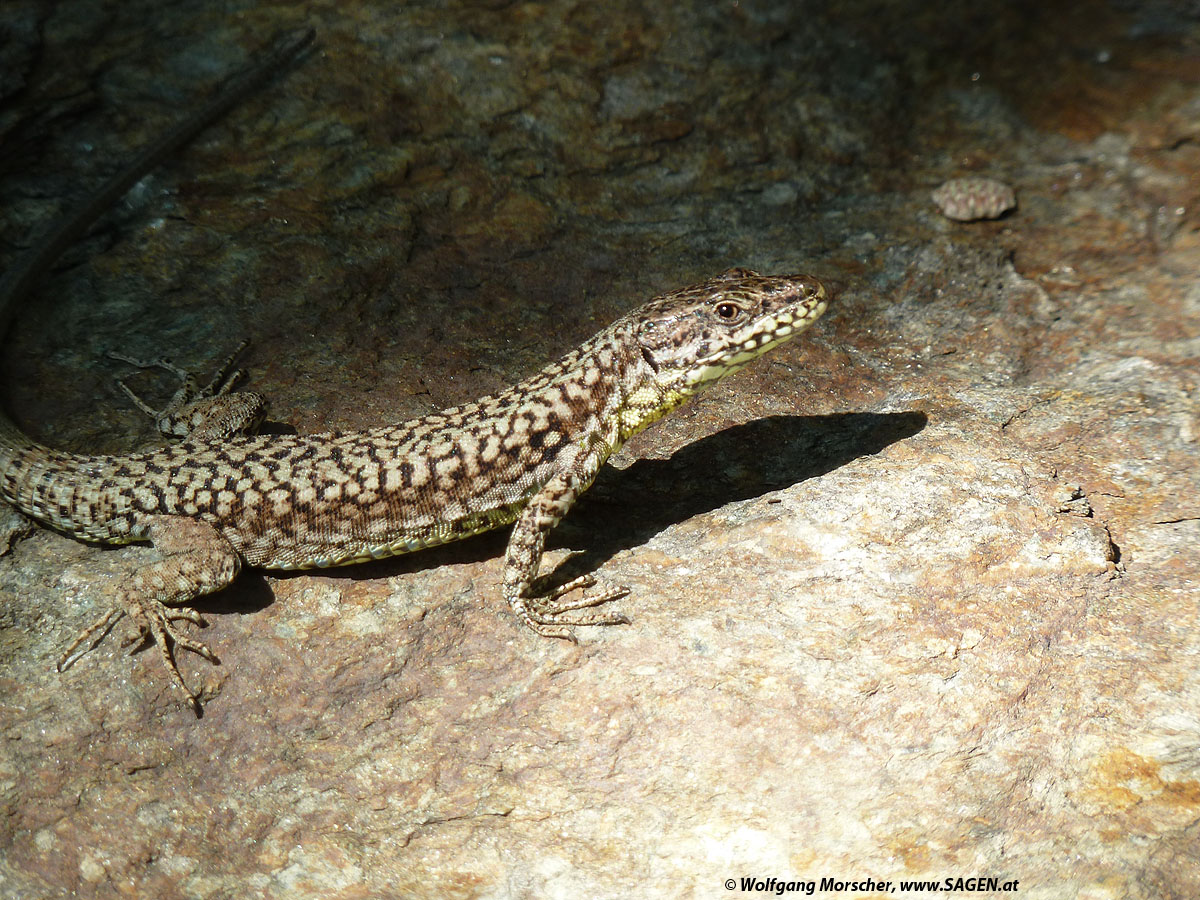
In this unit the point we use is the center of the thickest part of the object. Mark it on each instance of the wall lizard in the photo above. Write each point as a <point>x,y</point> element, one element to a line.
<point>224,497</point>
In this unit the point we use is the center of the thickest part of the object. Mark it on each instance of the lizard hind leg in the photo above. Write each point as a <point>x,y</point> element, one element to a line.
<point>196,560</point>
<point>201,412</point>
<point>549,614</point>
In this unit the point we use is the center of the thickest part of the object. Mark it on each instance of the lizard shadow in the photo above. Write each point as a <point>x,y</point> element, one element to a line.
<point>626,507</point>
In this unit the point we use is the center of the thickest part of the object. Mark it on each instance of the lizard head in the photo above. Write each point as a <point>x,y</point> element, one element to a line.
<point>693,337</point>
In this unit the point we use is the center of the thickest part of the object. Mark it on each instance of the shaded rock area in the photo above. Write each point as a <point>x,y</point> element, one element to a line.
<point>914,597</point>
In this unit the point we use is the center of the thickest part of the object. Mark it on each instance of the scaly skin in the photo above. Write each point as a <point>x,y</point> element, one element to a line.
<point>221,499</point>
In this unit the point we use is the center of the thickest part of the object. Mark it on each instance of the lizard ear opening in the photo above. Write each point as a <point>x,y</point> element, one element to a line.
<point>650,360</point>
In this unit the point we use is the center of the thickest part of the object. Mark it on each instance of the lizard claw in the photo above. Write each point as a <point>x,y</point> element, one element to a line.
<point>153,621</point>
<point>548,615</point>
<point>94,633</point>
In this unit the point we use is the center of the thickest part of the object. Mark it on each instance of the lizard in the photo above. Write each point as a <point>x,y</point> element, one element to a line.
<point>224,498</point>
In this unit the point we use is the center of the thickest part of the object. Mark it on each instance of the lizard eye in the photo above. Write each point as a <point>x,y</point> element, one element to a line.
<point>728,311</point>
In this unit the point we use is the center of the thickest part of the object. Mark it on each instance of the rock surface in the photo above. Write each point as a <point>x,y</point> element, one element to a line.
<point>915,597</point>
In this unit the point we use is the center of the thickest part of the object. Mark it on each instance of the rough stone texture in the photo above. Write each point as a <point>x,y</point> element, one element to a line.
<point>915,597</point>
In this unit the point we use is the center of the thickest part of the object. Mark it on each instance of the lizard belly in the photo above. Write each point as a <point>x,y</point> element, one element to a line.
<point>339,543</point>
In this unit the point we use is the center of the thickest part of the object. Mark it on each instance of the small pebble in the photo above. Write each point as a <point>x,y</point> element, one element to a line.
<point>968,199</point>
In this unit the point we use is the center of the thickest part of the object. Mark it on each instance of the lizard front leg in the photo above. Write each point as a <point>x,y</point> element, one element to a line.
<point>196,560</point>
<point>546,614</point>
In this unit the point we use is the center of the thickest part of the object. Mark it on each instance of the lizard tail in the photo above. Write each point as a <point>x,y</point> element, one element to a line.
<point>18,281</point>
<point>15,447</point>
<point>30,472</point>
<point>31,479</point>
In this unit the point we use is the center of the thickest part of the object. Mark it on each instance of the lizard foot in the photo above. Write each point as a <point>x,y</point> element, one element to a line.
<point>154,623</point>
<point>548,615</point>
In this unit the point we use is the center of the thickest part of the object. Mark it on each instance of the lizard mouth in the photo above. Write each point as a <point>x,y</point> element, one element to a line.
<point>768,332</point>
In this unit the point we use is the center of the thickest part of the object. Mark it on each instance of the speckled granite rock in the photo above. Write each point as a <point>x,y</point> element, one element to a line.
<point>914,598</point>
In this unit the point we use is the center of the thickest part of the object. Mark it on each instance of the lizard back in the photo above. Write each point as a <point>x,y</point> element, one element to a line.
<point>301,501</point>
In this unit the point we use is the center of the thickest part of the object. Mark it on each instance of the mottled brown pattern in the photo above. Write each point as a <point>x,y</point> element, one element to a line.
<point>524,455</point>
